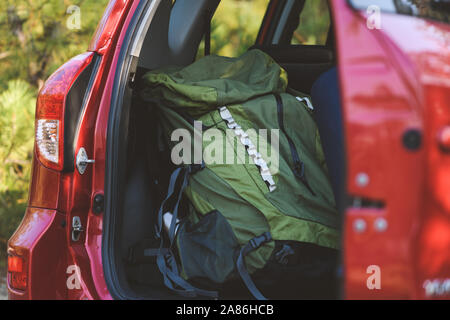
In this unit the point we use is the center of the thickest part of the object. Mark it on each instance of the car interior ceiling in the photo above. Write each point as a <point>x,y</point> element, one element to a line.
<point>173,39</point>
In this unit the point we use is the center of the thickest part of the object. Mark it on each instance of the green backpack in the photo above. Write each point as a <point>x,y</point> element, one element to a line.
<point>250,163</point>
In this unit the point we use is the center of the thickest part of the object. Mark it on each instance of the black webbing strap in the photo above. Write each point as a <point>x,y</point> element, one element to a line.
<point>170,192</point>
<point>207,33</point>
<point>172,279</point>
<point>253,244</point>
<point>299,165</point>
<point>165,258</point>
<point>142,251</point>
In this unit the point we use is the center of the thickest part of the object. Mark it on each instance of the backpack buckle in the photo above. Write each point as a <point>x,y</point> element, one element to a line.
<point>256,242</point>
<point>299,169</point>
<point>282,255</point>
<point>194,168</point>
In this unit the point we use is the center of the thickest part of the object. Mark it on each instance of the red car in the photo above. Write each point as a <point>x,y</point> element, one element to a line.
<point>386,137</point>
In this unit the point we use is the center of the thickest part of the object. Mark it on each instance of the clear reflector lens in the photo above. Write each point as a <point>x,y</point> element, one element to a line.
<point>47,139</point>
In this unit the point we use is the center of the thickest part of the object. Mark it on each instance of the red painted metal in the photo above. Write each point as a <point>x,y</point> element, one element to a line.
<point>385,77</point>
<point>110,26</point>
<point>40,197</point>
<point>433,246</point>
<point>87,252</point>
<point>392,80</point>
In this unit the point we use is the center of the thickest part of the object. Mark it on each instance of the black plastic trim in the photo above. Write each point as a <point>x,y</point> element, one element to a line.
<point>75,104</point>
<point>292,22</point>
<point>271,28</point>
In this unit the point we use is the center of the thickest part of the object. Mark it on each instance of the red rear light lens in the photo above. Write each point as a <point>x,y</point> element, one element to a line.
<point>17,274</point>
<point>50,111</point>
<point>18,280</point>
<point>15,264</point>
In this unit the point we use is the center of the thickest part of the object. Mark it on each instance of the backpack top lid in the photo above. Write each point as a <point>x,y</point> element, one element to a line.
<point>214,81</point>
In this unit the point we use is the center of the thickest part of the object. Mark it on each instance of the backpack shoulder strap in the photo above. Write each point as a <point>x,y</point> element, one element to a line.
<point>299,165</point>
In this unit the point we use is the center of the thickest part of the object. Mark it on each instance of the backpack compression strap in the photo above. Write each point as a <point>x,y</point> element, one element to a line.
<point>253,244</point>
<point>299,165</point>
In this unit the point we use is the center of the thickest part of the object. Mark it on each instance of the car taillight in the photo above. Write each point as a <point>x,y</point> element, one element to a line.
<point>438,131</point>
<point>434,236</point>
<point>17,274</point>
<point>50,109</point>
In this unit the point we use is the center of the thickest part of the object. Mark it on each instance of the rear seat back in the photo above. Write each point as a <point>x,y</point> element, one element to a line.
<point>325,96</point>
<point>303,63</point>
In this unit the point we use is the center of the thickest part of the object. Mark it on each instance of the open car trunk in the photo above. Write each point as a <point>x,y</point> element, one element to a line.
<point>139,166</point>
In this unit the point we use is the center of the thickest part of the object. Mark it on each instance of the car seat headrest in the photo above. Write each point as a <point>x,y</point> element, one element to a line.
<point>186,27</point>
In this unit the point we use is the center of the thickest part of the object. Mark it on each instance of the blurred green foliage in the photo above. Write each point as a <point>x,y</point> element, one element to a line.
<point>234,26</point>
<point>16,123</point>
<point>36,38</point>
<point>314,24</point>
<point>236,23</point>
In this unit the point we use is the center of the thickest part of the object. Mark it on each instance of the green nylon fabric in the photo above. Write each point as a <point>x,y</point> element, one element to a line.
<point>215,81</point>
<point>245,86</point>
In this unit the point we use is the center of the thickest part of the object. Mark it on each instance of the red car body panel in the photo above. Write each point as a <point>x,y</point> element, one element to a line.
<point>387,79</point>
<point>41,241</point>
<point>386,82</point>
<point>97,138</point>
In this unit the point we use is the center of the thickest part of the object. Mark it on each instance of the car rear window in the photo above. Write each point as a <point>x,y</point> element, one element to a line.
<point>314,23</point>
<point>430,9</point>
<point>235,26</point>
